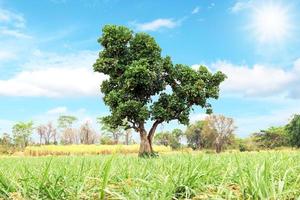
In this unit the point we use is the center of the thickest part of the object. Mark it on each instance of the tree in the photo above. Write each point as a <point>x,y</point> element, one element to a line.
<point>221,129</point>
<point>171,139</point>
<point>69,134</point>
<point>162,138</point>
<point>5,140</point>
<point>41,131</point>
<point>87,134</point>
<point>271,138</point>
<point>193,135</point>
<point>137,72</point>
<point>66,121</point>
<point>46,133</point>
<point>50,133</point>
<point>128,137</point>
<point>293,130</point>
<point>21,133</point>
<point>176,135</point>
<point>115,132</point>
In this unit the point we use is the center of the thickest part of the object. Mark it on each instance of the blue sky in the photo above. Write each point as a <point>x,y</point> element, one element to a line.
<point>48,48</point>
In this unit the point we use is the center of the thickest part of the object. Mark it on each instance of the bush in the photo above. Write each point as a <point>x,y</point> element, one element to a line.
<point>242,147</point>
<point>6,150</point>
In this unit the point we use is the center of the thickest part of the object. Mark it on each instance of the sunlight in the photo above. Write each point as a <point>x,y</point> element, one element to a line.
<point>271,23</point>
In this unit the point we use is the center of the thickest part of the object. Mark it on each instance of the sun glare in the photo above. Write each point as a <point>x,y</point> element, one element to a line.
<point>271,23</point>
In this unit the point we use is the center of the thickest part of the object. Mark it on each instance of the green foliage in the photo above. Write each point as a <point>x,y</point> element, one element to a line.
<point>109,134</point>
<point>293,129</point>
<point>5,140</point>
<point>105,174</point>
<point>247,175</point>
<point>171,139</point>
<point>66,121</point>
<point>22,132</point>
<point>137,72</point>
<point>106,140</point>
<point>194,136</point>
<point>271,138</point>
<point>242,147</point>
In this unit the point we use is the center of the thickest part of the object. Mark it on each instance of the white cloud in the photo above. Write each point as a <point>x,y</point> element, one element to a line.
<point>14,33</point>
<point>211,5</point>
<point>156,25</point>
<point>196,10</point>
<point>12,24</point>
<point>258,80</point>
<point>62,76</point>
<point>240,5</point>
<point>197,117</point>
<point>12,18</point>
<point>6,55</point>
<point>57,110</point>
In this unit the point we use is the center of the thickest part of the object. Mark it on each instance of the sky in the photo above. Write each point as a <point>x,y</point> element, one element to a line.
<point>47,49</point>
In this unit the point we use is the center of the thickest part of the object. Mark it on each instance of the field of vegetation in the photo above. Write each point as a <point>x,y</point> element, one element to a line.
<point>246,175</point>
<point>87,149</point>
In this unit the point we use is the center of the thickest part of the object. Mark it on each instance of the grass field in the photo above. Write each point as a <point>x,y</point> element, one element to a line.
<point>251,175</point>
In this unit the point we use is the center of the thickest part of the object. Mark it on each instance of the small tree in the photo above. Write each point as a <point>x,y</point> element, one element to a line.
<point>22,132</point>
<point>41,131</point>
<point>171,139</point>
<point>87,134</point>
<point>137,72</point>
<point>66,121</point>
<point>271,138</point>
<point>221,129</point>
<point>69,134</point>
<point>116,133</point>
<point>293,130</point>
<point>47,133</point>
<point>193,135</point>
<point>163,138</point>
<point>128,137</point>
<point>5,140</point>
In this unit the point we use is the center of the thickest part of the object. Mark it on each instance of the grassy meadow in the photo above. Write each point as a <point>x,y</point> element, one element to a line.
<point>246,175</point>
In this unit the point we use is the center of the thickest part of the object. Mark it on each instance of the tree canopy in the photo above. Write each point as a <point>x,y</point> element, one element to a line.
<point>21,133</point>
<point>293,129</point>
<point>143,85</point>
<point>272,137</point>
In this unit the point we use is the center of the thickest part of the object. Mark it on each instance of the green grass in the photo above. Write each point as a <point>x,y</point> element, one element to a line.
<point>251,175</point>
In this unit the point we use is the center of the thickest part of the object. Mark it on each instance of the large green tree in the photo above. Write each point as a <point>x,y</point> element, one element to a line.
<point>293,129</point>
<point>143,85</point>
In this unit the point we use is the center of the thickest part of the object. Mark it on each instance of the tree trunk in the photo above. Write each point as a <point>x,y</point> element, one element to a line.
<point>218,145</point>
<point>146,140</point>
<point>145,145</point>
<point>218,149</point>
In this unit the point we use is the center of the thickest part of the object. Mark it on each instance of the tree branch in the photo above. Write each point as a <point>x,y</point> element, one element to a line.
<point>153,128</point>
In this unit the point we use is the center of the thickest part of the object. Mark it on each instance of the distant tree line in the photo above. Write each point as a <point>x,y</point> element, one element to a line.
<point>214,132</point>
<point>63,133</point>
<point>217,132</point>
